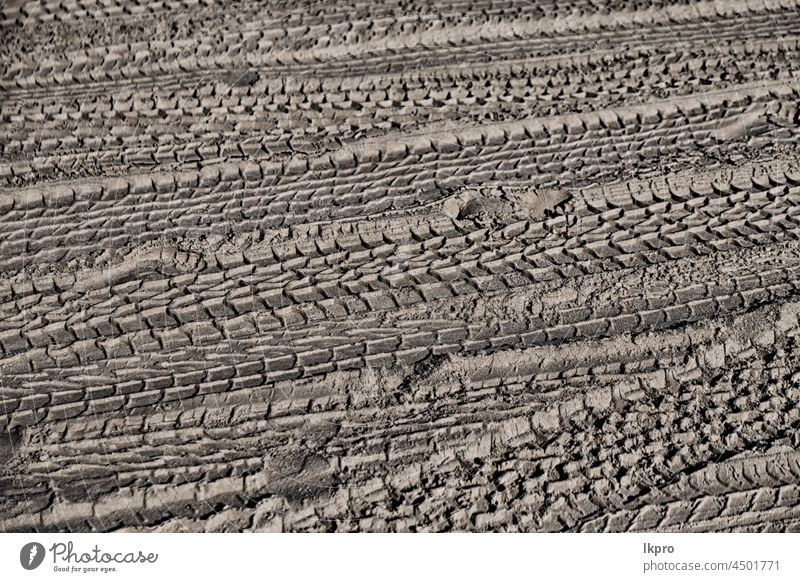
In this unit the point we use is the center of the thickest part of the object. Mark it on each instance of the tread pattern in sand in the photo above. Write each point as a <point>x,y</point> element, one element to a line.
<point>490,265</point>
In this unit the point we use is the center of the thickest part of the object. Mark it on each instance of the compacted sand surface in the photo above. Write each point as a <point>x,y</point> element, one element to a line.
<point>419,265</point>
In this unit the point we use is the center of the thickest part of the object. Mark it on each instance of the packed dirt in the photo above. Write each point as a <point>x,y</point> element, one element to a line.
<point>430,265</point>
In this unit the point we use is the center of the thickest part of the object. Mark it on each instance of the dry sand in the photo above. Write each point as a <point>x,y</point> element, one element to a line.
<point>489,265</point>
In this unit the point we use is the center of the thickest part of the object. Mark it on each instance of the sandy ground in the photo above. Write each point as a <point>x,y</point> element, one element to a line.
<point>486,265</point>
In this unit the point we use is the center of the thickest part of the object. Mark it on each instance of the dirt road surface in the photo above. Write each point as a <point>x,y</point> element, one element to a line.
<point>483,265</point>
